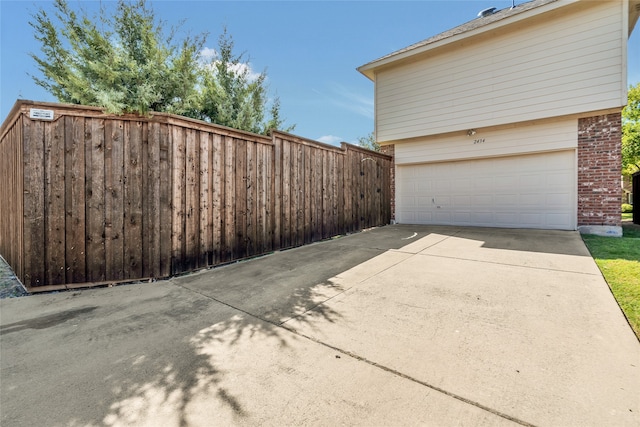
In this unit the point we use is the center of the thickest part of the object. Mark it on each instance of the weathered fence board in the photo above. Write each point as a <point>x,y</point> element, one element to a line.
<point>54,204</point>
<point>75,200</point>
<point>11,193</point>
<point>151,209</point>
<point>94,190</point>
<point>34,202</point>
<point>229,196</point>
<point>178,199</point>
<point>205,226</point>
<point>133,198</point>
<point>217,197</point>
<point>94,198</point>
<point>114,204</point>
<point>192,218</point>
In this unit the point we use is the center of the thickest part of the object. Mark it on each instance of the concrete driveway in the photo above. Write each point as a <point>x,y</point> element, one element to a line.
<point>401,325</point>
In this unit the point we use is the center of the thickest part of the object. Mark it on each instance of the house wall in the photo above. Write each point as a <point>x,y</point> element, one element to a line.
<point>548,135</point>
<point>599,162</point>
<point>569,60</point>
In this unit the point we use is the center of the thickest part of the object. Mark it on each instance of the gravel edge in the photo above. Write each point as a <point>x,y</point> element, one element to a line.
<point>10,285</point>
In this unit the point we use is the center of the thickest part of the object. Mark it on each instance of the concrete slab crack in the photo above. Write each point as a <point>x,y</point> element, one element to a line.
<point>532,267</point>
<point>281,325</point>
<point>415,380</point>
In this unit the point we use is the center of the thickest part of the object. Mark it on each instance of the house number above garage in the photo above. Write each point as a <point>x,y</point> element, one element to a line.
<point>478,141</point>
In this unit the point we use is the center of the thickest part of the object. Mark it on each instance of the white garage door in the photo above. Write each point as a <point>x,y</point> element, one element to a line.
<point>527,191</point>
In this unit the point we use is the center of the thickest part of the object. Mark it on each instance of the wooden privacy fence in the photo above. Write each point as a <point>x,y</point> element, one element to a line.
<point>89,198</point>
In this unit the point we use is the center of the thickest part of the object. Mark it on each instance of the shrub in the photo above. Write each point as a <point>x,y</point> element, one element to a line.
<point>627,208</point>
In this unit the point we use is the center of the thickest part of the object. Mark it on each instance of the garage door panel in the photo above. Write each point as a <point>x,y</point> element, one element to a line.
<point>424,217</point>
<point>443,217</point>
<point>422,202</point>
<point>561,221</point>
<point>462,217</point>
<point>423,186</point>
<point>482,218</point>
<point>480,183</point>
<point>533,191</point>
<point>530,219</point>
<point>531,181</point>
<point>557,200</point>
<point>460,184</point>
<point>480,201</point>
<point>441,185</point>
<point>505,199</point>
<point>502,185</point>
<point>506,218</point>
<point>561,181</point>
<point>462,202</point>
<point>411,218</point>
<point>443,201</point>
<point>555,162</point>
<point>536,199</point>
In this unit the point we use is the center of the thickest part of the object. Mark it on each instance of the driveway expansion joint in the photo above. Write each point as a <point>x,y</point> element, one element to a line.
<point>359,358</point>
<point>412,379</point>
<point>532,267</point>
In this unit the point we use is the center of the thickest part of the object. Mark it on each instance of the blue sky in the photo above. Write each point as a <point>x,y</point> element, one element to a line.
<point>310,49</point>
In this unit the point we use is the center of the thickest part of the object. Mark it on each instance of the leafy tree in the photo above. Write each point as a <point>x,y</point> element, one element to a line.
<point>631,132</point>
<point>126,64</point>
<point>232,96</point>
<point>369,142</point>
<point>276,122</point>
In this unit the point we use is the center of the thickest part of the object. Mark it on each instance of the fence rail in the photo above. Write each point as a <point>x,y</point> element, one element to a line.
<point>91,198</point>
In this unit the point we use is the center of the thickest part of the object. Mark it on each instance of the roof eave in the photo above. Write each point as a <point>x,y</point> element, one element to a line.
<point>368,70</point>
<point>634,13</point>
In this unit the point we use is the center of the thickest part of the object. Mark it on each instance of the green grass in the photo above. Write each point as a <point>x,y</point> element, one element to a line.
<point>619,261</point>
<point>631,231</point>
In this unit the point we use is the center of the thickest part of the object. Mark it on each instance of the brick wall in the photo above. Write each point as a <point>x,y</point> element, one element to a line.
<point>599,162</point>
<point>390,150</point>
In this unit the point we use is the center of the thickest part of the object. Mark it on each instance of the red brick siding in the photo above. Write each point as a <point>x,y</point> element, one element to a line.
<point>390,150</point>
<point>599,163</point>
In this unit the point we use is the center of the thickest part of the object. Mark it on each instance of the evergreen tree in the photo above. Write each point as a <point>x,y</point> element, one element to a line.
<point>126,64</point>
<point>232,96</point>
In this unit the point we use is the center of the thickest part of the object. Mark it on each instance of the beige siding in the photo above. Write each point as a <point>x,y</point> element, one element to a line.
<point>548,135</point>
<point>564,62</point>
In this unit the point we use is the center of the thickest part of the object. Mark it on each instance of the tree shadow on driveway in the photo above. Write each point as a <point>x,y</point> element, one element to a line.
<point>176,352</point>
<point>155,354</point>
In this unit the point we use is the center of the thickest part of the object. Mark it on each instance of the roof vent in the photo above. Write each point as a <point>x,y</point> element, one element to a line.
<point>486,12</point>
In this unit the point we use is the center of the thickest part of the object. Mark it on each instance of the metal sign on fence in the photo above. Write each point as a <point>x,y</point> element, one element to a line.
<point>37,113</point>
